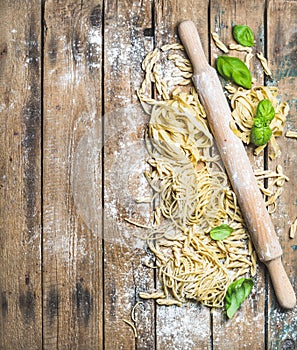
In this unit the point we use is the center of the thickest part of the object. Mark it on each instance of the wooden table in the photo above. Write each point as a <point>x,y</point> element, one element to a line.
<point>72,159</point>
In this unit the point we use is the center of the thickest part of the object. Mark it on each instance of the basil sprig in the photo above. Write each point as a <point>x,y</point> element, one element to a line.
<point>236,294</point>
<point>221,232</point>
<point>232,68</point>
<point>243,35</point>
<point>261,132</point>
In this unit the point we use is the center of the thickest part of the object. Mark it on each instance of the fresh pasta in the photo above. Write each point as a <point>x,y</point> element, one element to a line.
<point>291,134</point>
<point>192,193</point>
<point>132,325</point>
<point>244,103</point>
<point>219,43</point>
<point>264,63</point>
<point>239,47</point>
<point>248,58</point>
<point>293,229</point>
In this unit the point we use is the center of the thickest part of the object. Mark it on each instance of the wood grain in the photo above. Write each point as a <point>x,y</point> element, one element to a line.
<point>72,255</point>
<point>281,53</point>
<point>126,27</point>
<point>64,64</point>
<point>249,322</point>
<point>20,164</point>
<point>189,326</point>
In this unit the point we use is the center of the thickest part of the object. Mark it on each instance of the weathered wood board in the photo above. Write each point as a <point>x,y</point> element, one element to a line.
<point>72,158</point>
<point>20,195</point>
<point>71,250</point>
<point>125,45</point>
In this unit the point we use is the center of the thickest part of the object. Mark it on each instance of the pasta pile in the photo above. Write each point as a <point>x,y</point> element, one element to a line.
<point>192,193</point>
<point>244,104</point>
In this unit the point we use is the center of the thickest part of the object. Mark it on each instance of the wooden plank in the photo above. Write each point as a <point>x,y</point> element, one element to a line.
<point>249,322</point>
<point>126,25</point>
<point>72,252</point>
<point>189,326</point>
<point>20,164</point>
<point>281,53</point>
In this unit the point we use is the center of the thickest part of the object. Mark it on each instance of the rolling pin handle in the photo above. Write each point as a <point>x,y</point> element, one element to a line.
<point>282,286</point>
<point>191,41</point>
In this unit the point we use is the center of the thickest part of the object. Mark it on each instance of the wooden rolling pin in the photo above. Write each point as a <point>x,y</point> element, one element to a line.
<point>237,164</point>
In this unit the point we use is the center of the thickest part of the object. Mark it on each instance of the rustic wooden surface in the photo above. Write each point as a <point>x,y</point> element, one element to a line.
<point>21,176</point>
<point>72,158</point>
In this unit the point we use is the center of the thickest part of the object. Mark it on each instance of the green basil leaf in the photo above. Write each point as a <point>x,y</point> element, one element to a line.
<point>265,110</point>
<point>243,35</point>
<point>260,135</point>
<point>260,122</point>
<point>236,294</point>
<point>221,232</point>
<point>232,68</point>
